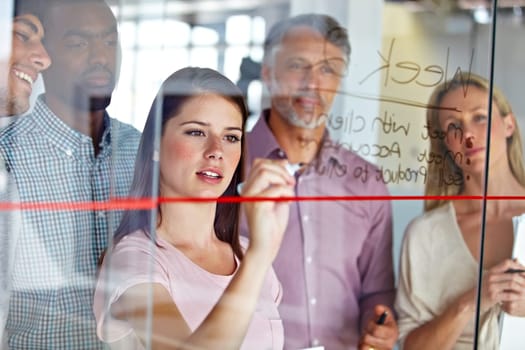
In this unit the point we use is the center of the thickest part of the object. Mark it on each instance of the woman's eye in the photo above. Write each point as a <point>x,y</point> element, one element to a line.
<point>195,133</point>
<point>233,138</point>
<point>453,127</point>
<point>480,117</point>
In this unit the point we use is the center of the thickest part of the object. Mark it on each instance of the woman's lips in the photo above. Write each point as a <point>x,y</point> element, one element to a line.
<point>472,151</point>
<point>213,176</point>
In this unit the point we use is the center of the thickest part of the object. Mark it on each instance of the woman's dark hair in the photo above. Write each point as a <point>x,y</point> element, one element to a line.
<point>174,93</point>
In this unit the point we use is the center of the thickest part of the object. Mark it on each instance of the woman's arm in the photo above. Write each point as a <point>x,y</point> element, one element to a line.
<point>223,328</point>
<point>443,331</point>
<point>227,323</point>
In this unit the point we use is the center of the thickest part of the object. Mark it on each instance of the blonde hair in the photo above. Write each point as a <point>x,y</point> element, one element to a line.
<point>448,167</point>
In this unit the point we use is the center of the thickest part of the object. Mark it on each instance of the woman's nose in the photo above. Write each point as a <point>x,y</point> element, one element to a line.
<point>214,149</point>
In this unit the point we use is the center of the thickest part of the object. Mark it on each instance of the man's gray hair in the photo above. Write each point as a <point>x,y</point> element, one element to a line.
<point>325,25</point>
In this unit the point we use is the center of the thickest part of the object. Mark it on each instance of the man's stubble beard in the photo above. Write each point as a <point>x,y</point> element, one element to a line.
<point>287,112</point>
<point>10,105</point>
<point>87,101</point>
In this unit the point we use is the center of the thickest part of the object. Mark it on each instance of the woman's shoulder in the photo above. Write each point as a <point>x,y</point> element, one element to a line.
<point>137,254</point>
<point>135,238</point>
<point>425,225</point>
<point>434,216</point>
<point>136,242</point>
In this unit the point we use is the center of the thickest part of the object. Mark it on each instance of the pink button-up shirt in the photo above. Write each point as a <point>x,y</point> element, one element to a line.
<point>335,263</point>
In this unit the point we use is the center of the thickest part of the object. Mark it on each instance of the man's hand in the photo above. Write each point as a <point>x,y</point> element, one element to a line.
<point>380,336</point>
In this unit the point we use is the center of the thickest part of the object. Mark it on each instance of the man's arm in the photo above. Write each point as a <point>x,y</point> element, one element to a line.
<point>377,273</point>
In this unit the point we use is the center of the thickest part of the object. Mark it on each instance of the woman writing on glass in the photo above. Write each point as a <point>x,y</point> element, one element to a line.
<point>208,289</point>
<point>436,299</point>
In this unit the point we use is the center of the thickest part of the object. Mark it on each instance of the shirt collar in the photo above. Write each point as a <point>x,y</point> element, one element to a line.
<point>262,142</point>
<point>62,134</point>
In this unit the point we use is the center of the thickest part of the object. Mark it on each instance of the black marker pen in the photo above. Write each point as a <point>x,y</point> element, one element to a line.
<point>381,320</point>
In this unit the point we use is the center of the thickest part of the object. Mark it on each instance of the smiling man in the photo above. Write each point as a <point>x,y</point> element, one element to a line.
<point>27,59</point>
<point>68,150</point>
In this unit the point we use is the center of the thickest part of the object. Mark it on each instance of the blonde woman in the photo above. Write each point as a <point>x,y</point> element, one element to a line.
<point>436,299</point>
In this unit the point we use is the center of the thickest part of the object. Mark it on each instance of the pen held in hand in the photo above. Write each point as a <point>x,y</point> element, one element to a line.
<point>381,320</point>
<point>291,168</point>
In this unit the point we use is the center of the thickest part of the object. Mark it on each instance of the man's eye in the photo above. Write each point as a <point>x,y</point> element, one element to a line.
<point>111,40</point>
<point>21,36</point>
<point>327,69</point>
<point>296,65</point>
<point>76,44</point>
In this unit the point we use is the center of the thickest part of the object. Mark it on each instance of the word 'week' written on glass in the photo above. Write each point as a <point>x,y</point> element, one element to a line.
<point>406,71</point>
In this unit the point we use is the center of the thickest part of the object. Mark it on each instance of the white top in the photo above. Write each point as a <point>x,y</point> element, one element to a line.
<point>137,260</point>
<point>436,267</point>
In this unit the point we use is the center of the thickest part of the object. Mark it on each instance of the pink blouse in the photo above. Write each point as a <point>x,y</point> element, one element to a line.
<point>137,260</point>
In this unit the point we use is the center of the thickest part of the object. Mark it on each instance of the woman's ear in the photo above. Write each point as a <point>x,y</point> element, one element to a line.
<point>509,122</point>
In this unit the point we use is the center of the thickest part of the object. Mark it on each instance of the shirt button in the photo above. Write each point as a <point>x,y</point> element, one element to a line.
<point>315,342</point>
<point>313,301</point>
<point>101,214</point>
<point>309,259</point>
<point>280,154</point>
<point>69,152</point>
<point>305,218</point>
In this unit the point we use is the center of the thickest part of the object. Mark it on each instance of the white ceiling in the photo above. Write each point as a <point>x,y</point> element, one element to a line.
<point>184,8</point>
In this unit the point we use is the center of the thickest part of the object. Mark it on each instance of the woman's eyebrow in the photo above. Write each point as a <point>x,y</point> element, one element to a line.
<point>234,128</point>
<point>195,122</point>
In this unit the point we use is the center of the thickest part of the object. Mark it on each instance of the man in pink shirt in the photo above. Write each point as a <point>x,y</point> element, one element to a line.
<point>335,262</point>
